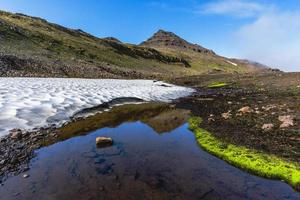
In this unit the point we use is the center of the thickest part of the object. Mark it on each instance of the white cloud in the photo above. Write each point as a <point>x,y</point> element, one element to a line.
<point>272,39</point>
<point>238,8</point>
<point>269,35</point>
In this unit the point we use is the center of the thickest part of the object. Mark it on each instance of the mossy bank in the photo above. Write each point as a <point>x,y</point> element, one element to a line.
<point>253,161</point>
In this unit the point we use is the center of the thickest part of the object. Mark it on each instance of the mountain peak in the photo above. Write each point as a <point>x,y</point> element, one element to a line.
<point>168,39</point>
<point>112,39</point>
<point>163,32</point>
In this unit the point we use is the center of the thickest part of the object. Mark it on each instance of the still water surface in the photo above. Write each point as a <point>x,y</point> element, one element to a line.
<point>154,156</point>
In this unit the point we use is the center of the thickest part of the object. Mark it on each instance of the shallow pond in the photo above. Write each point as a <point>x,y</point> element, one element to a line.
<point>154,156</point>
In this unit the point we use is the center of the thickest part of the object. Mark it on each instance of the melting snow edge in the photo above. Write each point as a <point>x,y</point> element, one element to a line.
<point>28,103</point>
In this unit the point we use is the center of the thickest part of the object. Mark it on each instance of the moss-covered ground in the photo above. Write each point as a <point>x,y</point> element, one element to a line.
<point>217,85</point>
<point>253,161</point>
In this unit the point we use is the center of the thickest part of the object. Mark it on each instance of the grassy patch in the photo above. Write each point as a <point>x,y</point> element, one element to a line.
<point>217,85</point>
<point>261,164</point>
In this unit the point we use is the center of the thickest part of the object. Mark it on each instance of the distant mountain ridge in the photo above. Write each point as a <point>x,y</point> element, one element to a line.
<point>31,46</point>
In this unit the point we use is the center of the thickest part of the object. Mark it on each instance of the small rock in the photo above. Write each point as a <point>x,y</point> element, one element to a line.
<point>226,115</point>
<point>229,102</point>
<point>257,112</point>
<point>25,176</point>
<point>267,127</point>
<point>287,121</point>
<point>245,110</point>
<point>210,119</point>
<point>173,106</point>
<point>26,134</point>
<point>15,134</point>
<point>289,110</point>
<point>269,107</point>
<point>295,138</point>
<point>104,141</point>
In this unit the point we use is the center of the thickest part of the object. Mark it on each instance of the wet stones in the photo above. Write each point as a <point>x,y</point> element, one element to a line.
<point>103,141</point>
<point>17,148</point>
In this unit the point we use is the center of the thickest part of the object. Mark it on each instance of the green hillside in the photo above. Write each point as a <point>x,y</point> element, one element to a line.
<point>32,46</point>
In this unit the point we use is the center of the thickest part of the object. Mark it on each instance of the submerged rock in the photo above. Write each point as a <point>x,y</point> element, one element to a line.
<point>25,176</point>
<point>104,141</point>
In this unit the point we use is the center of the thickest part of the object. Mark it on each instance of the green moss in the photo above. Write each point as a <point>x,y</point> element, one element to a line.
<point>261,164</point>
<point>217,85</point>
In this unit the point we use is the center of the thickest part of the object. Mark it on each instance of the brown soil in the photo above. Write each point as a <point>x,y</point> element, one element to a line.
<point>268,96</point>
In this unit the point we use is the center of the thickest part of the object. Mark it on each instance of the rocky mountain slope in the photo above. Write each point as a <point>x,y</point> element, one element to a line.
<point>31,46</point>
<point>200,59</point>
<point>170,40</point>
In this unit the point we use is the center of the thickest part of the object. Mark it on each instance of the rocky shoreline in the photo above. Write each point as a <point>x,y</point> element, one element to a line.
<point>17,149</point>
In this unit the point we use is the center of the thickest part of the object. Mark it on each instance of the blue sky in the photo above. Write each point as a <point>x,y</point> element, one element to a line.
<point>261,30</point>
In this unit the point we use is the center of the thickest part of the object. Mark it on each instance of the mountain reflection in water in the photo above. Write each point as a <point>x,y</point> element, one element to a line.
<point>159,116</point>
<point>143,163</point>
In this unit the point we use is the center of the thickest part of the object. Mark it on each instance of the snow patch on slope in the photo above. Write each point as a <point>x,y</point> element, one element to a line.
<point>28,103</point>
<point>234,64</point>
